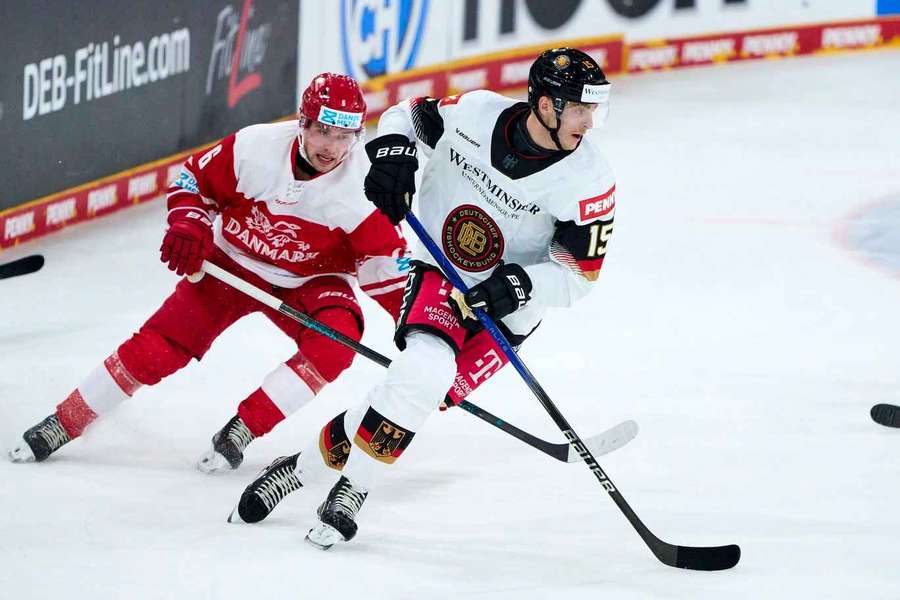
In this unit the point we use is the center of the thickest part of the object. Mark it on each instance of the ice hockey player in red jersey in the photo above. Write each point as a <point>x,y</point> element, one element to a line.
<point>279,205</point>
<point>522,202</point>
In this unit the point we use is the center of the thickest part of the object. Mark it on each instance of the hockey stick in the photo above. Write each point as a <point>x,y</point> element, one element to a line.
<point>21,266</point>
<point>602,443</point>
<point>886,414</point>
<point>706,558</point>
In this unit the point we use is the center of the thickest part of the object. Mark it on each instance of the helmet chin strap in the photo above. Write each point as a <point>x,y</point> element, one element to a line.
<point>553,131</point>
<point>302,160</point>
<point>300,147</point>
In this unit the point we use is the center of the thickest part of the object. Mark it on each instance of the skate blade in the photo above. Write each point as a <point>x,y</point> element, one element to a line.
<point>21,454</point>
<point>235,517</point>
<point>212,462</point>
<point>323,536</point>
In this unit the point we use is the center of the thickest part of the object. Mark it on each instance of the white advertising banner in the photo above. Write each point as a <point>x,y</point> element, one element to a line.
<point>488,25</point>
<point>401,48</point>
<point>372,38</point>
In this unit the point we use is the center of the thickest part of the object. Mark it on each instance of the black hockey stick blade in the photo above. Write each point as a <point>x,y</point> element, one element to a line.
<point>708,558</point>
<point>886,414</point>
<point>21,266</point>
<point>695,558</point>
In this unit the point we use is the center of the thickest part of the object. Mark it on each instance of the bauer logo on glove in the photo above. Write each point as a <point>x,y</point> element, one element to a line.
<point>506,290</point>
<point>390,184</point>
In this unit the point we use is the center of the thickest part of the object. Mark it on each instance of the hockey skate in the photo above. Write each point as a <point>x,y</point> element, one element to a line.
<point>262,496</point>
<point>337,515</point>
<point>40,441</point>
<point>228,447</point>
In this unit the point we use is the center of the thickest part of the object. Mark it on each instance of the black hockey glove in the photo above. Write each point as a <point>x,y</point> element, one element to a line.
<point>506,290</point>
<point>391,183</point>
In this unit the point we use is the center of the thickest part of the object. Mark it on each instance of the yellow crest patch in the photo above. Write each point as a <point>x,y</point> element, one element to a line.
<point>562,61</point>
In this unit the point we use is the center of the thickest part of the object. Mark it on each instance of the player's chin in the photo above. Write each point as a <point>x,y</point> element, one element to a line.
<point>572,140</point>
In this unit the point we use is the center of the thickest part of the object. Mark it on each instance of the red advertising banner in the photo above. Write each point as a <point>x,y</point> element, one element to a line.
<point>52,213</point>
<point>780,42</point>
<point>501,71</point>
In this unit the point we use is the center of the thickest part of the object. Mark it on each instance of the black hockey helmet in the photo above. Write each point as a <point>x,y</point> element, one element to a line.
<point>565,74</point>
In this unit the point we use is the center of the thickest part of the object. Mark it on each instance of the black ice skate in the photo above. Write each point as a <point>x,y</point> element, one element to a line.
<point>40,441</point>
<point>337,515</point>
<point>886,414</point>
<point>227,447</point>
<point>262,496</point>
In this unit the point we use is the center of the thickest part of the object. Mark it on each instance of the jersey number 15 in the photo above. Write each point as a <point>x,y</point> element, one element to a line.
<point>599,237</point>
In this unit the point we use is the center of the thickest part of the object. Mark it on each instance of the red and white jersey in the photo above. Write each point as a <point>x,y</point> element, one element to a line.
<point>286,230</point>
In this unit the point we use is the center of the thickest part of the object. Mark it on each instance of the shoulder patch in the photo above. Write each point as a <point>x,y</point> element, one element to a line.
<point>449,100</point>
<point>597,207</point>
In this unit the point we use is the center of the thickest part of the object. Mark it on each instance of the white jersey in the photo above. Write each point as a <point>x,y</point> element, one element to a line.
<point>481,203</point>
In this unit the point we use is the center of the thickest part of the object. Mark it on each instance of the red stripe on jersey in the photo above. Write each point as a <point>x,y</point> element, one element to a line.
<point>587,266</point>
<point>369,289</point>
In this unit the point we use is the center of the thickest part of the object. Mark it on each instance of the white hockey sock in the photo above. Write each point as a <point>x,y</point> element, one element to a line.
<point>314,461</point>
<point>287,390</point>
<point>107,386</point>
<point>415,385</point>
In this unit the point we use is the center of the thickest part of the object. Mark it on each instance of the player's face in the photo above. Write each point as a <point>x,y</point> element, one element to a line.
<point>577,118</point>
<point>326,146</point>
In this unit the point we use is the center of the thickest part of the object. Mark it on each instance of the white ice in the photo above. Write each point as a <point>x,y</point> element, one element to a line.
<point>747,318</point>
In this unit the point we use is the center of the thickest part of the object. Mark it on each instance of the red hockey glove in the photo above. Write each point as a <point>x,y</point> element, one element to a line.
<point>188,241</point>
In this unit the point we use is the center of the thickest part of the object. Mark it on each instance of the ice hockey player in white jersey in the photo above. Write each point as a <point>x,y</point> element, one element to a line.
<point>522,203</point>
<point>279,205</point>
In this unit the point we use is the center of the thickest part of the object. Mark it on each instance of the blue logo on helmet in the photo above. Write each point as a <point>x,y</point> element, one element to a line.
<point>339,118</point>
<point>381,36</point>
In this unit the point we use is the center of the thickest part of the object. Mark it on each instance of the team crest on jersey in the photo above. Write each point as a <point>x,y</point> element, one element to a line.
<point>278,234</point>
<point>472,240</point>
<point>263,235</point>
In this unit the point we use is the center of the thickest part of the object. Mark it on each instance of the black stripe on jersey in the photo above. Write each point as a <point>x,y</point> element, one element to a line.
<point>426,119</point>
<point>577,247</point>
<point>519,159</point>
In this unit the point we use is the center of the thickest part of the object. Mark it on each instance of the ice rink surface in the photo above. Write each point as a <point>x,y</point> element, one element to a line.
<point>746,317</point>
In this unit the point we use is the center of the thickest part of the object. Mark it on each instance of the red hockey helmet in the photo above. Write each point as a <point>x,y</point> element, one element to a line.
<point>333,100</point>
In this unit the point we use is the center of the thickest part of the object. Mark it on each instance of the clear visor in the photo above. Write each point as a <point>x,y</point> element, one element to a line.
<point>594,105</point>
